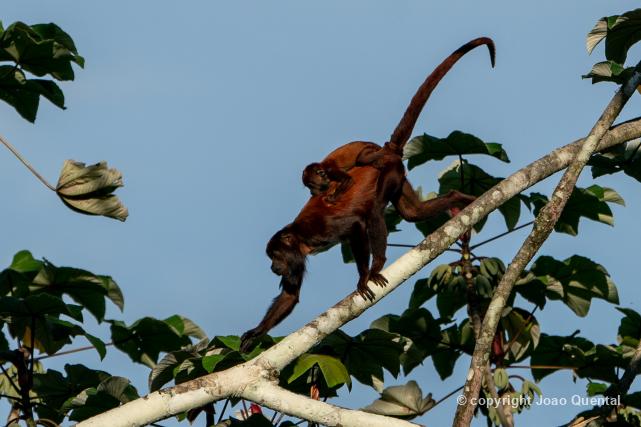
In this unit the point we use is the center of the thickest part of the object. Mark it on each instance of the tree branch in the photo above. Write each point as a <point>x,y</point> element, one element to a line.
<point>543,227</point>
<point>234,381</point>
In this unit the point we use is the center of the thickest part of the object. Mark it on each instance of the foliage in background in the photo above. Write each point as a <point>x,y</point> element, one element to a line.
<point>43,307</point>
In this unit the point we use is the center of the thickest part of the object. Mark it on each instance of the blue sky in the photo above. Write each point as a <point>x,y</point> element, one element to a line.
<point>211,109</point>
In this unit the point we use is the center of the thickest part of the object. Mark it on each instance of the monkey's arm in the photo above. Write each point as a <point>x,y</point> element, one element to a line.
<point>282,305</point>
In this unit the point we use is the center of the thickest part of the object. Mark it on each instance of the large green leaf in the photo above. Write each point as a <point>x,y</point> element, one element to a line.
<point>146,338</point>
<point>620,33</point>
<point>42,49</point>
<point>55,391</point>
<point>523,333</point>
<point>575,281</point>
<point>624,158</point>
<point>87,289</point>
<point>475,182</point>
<point>629,332</point>
<point>591,203</point>
<point>576,353</point>
<point>110,393</point>
<point>367,354</point>
<point>333,371</point>
<point>405,401</point>
<point>609,71</point>
<point>424,148</point>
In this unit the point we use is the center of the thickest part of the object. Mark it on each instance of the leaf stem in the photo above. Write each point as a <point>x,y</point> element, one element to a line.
<point>26,163</point>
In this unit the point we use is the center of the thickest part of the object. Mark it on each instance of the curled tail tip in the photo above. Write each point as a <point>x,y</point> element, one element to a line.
<point>490,47</point>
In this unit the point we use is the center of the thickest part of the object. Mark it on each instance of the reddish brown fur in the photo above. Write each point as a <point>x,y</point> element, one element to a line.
<point>320,225</point>
<point>357,215</point>
<point>317,176</point>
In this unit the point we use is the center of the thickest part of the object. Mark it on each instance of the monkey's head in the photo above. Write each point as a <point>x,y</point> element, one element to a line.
<point>315,178</point>
<point>284,250</point>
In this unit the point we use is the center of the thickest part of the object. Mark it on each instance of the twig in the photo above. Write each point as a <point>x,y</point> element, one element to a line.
<point>498,236</point>
<point>220,418</point>
<point>26,163</point>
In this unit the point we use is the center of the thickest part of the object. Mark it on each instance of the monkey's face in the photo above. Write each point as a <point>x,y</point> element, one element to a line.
<point>283,249</point>
<point>315,178</point>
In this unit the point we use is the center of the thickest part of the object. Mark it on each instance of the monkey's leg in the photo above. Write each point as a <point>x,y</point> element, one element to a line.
<point>412,209</point>
<point>359,243</point>
<point>280,308</point>
<point>377,232</point>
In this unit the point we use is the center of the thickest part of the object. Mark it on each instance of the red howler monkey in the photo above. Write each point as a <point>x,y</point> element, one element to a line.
<point>318,176</point>
<point>320,225</point>
<point>357,216</point>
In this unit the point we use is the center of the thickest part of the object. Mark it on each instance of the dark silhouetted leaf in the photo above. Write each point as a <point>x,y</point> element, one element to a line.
<point>424,148</point>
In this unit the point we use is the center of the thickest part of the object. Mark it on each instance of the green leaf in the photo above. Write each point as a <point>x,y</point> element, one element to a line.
<point>523,332</point>
<point>367,354</point>
<point>424,148</point>
<point>609,71</point>
<point>98,344</point>
<point>88,189</point>
<point>422,293</point>
<point>591,203</point>
<point>164,370</point>
<point>475,183</point>
<point>501,378</point>
<point>110,393</point>
<point>405,402</point>
<point>594,389</point>
<point>579,354</point>
<point>186,327</point>
<point>146,338</point>
<point>24,262</point>
<point>620,33</point>
<point>334,372</point>
<point>575,281</point>
<point>630,328</point>
<point>624,158</point>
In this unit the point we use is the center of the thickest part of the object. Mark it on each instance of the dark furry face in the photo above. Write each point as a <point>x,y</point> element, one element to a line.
<point>315,178</point>
<point>284,251</point>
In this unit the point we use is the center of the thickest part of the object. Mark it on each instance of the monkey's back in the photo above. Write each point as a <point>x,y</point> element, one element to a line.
<point>322,223</point>
<point>344,157</point>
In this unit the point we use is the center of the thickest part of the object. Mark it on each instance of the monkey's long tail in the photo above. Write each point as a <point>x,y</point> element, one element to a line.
<point>404,129</point>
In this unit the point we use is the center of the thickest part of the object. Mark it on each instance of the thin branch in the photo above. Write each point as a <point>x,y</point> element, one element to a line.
<point>498,236</point>
<point>543,227</point>
<point>399,245</point>
<point>13,384</point>
<point>447,396</point>
<point>74,350</point>
<point>222,413</point>
<point>26,163</point>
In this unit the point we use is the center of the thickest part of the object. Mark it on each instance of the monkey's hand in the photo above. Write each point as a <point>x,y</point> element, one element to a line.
<point>248,339</point>
<point>364,290</point>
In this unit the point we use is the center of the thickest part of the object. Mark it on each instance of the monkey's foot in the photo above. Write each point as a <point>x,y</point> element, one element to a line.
<point>379,279</point>
<point>248,339</point>
<point>364,290</point>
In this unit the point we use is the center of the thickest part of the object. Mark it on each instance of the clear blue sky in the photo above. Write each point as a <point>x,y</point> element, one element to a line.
<point>211,109</point>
